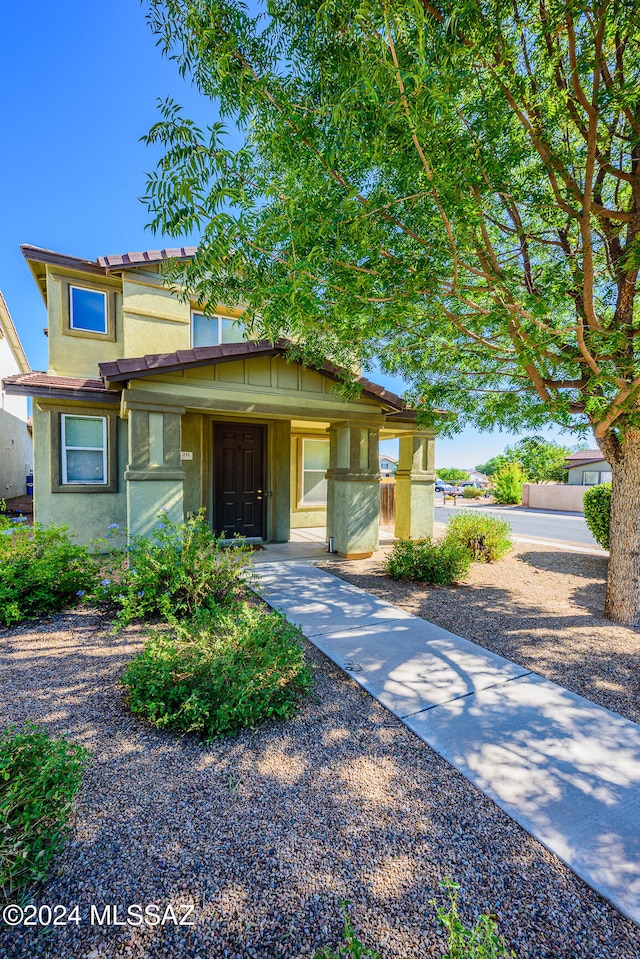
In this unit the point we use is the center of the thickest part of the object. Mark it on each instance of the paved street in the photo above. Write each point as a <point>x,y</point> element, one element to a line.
<point>530,523</point>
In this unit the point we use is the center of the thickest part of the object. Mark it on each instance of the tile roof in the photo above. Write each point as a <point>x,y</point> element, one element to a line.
<point>62,387</point>
<point>592,455</point>
<point>135,367</point>
<point>104,264</point>
<point>147,256</point>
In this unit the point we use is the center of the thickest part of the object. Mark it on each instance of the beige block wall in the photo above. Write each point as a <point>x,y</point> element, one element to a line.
<point>554,497</point>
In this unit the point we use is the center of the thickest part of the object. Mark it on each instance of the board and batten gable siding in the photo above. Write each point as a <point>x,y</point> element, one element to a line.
<point>264,385</point>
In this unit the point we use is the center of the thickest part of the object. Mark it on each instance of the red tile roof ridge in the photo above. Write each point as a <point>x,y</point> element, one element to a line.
<point>202,355</point>
<point>40,378</point>
<point>135,258</point>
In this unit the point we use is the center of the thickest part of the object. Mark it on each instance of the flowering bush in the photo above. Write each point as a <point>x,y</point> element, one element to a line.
<point>180,569</point>
<point>41,570</point>
<point>227,668</point>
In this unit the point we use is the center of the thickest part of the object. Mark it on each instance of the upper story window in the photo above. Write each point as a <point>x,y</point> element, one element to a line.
<point>88,310</point>
<point>214,330</point>
<point>84,450</point>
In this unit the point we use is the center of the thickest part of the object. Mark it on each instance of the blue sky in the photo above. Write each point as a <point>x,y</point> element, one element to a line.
<point>79,84</point>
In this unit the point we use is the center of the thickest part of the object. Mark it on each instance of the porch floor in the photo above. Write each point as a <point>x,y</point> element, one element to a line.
<point>307,544</point>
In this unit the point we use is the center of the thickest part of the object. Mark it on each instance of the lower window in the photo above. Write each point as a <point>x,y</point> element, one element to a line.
<point>83,443</point>
<point>315,463</point>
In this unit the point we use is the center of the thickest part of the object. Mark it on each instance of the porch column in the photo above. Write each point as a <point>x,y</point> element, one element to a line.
<point>353,489</point>
<point>415,481</point>
<point>154,475</point>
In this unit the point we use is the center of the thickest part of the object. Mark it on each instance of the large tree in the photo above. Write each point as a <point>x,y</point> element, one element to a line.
<point>452,187</point>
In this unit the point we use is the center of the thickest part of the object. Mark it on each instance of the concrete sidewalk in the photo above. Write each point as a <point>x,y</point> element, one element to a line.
<point>565,769</point>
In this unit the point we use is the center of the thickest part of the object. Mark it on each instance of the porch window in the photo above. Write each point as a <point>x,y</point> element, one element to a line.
<point>84,450</point>
<point>315,463</point>
<point>214,330</point>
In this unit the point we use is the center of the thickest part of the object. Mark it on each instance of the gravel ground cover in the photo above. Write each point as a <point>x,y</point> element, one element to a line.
<point>540,607</point>
<point>265,832</point>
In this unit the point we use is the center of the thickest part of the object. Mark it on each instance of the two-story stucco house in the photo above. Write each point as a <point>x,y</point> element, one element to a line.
<point>148,403</point>
<point>16,455</point>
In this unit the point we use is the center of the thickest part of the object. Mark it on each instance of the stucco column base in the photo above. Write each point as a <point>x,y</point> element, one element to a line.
<point>145,499</point>
<point>154,478</point>
<point>355,509</point>
<point>353,490</point>
<point>414,506</point>
<point>415,486</point>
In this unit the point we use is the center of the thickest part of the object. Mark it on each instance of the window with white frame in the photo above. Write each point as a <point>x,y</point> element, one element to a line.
<point>214,330</point>
<point>84,450</point>
<point>315,463</point>
<point>87,310</point>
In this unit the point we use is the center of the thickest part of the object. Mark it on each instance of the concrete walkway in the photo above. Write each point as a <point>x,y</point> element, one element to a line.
<point>565,769</point>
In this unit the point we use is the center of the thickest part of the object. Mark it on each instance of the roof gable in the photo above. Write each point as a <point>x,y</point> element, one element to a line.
<point>8,330</point>
<point>129,368</point>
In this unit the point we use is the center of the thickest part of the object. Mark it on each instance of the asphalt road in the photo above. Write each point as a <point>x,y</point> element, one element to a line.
<point>530,523</point>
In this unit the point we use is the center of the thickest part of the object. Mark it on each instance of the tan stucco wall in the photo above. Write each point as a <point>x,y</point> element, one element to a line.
<point>549,496</point>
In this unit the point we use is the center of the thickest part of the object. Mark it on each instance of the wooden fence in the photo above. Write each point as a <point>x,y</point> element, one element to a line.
<point>387,501</point>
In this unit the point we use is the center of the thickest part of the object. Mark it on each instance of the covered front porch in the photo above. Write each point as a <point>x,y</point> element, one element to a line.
<point>268,448</point>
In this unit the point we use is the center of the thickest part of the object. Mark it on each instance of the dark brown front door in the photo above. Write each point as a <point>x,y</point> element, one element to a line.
<point>238,479</point>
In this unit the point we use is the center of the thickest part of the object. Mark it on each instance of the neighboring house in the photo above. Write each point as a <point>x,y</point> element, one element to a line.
<point>150,404</point>
<point>480,479</point>
<point>16,453</point>
<point>587,468</point>
<point>388,466</point>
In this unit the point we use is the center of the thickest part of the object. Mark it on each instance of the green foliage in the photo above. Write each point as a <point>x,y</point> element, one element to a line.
<point>541,460</point>
<point>472,492</point>
<point>492,466</point>
<point>41,571</point>
<point>426,561</point>
<point>452,475</point>
<point>351,947</point>
<point>405,160</point>
<point>180,569</point>
<point>226,669</point>
<point>481,942</point>
<point>39,777</point>
<point>597,512</point>
<point>508,482</point>
<point>370,133</point>
<point>486,537</point>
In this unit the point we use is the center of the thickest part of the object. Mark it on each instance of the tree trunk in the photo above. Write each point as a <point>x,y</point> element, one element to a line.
<point>622,603</point>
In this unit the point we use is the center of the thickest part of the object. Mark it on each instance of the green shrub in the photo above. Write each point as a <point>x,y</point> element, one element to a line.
<point>226,669</point>
<point>437,562</point>
<point>508,484</point>
<point>472,492</point>
<point>597,512</point>
<point>41,570</point>
<point>481,942</point>
<point>181,568</point>
<point>39,777</point>
<point>351,947</point>
<point>486,537</point>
